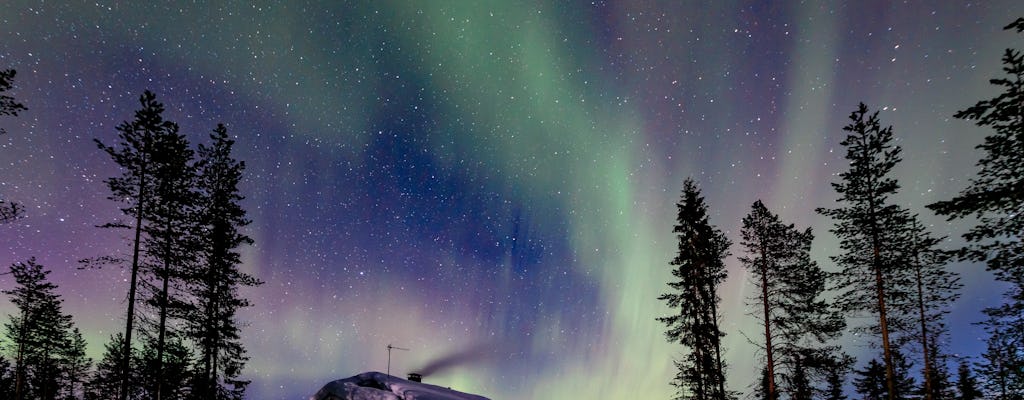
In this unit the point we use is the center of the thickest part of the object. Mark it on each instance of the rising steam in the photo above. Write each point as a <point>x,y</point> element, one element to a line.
<point>475,354</point>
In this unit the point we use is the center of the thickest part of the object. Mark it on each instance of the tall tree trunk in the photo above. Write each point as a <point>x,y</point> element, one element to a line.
<point>711,330</point>
<point>883,323</point>
<point>208,342</point>
<point>140,205</point>
<point>161,335</point>
<point>697,349</point>
<point>924,324</point>
<point>163,327</point>
<point>215,344</point>
<point>719,369</point>
<point>767,327</point>
<point>876,263</point>
<point>19,370</point>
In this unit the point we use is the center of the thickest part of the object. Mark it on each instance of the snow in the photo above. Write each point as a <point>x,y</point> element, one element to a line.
<point>381,386</point>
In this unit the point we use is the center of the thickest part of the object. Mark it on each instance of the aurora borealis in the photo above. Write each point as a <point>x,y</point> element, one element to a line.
<point>494,180</point>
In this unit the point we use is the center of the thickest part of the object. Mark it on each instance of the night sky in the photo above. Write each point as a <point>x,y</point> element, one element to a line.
<point>492,182</point>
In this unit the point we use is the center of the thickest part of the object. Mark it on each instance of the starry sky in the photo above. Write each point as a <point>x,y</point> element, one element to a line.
<point>490,184</point>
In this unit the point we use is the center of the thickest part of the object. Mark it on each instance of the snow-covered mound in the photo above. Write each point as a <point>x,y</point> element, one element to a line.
<point>381,386</point>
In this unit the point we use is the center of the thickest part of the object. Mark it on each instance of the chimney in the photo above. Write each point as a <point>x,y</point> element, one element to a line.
<point>415,377</point>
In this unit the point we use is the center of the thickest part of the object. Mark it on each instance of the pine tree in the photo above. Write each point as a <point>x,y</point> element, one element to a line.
<point>217,282</point>
<point>135,154</point>
<point>764,240</point>
<point>935,289</point>
<point>699,269</point>
<point>939,384</point>
<point>1001,365</point>
<point>170,237</point>
<point>105,383</point>
<point>966,383</point>
<point>995,197</point>
<point>9,211</point>
<point>873,269</point>
<point>75,365</point>
<point>790,290</point>
<point>37,333</point>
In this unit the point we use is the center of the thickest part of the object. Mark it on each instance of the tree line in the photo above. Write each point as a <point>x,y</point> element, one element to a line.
<point>891,269</point>
<point>182,336</point>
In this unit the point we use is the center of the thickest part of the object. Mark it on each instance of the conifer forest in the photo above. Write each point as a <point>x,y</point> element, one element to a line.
<point>545,200</point>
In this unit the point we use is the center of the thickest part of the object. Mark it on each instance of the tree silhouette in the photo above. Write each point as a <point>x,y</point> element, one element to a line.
<point>1001,365</point>
<point>699,270</point>
<point>935,290</point>
<point>790,294</point>
<point>995,196</point>
<point>940,383</point>
<point>765,242</point>
<point>761,390</point>
<point>216,283</point>
<point>37,334</point>
<point>76,365</point>
<point>135,154</point>
<point>835,377</point>
<point>867,224</point>
<point>8,105</point>
<point>872,382</point>
<point>185,260</point>
<point>9,211</point>
<point>170,239</point>
<point>6,378</point>
<point>164,372</point>
<point>105,383</point>
<point>966,383</point>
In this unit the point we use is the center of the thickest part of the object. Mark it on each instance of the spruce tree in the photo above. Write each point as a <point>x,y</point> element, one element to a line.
<point>214,327</point>
<point>699,270</point>
<point>905,385</point>
<point>835,377</point>
<point>75,365</point>
<point>105,382</point>
<point>966,383</point>
<point>37,334</point>
<point>135,153</point>
<point>9,211</point>
<point>165,372</point>
<point>789,290</point>
<point>872,382</point>
<point>873,272</point>
<point>994,198</point>
<point>1001,365</point>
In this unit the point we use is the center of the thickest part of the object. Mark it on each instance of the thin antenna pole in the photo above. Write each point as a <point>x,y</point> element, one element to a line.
<point>389,347</point>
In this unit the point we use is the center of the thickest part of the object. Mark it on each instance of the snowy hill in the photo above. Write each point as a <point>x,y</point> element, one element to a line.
<point>380,386</point>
